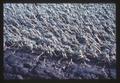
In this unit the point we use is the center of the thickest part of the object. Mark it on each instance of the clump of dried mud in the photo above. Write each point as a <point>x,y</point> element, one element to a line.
<point>59,41</point>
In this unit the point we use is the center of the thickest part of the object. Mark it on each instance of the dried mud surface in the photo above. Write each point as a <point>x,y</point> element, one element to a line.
<point>59,41</point>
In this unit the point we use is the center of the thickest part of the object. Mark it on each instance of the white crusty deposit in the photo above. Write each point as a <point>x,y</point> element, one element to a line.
<point>81,32</point>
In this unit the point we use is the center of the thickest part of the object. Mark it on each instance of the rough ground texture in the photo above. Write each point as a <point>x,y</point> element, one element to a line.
<point>59,41</point>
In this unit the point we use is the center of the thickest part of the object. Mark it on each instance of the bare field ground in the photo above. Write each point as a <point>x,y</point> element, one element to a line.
<point>59,41</point>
